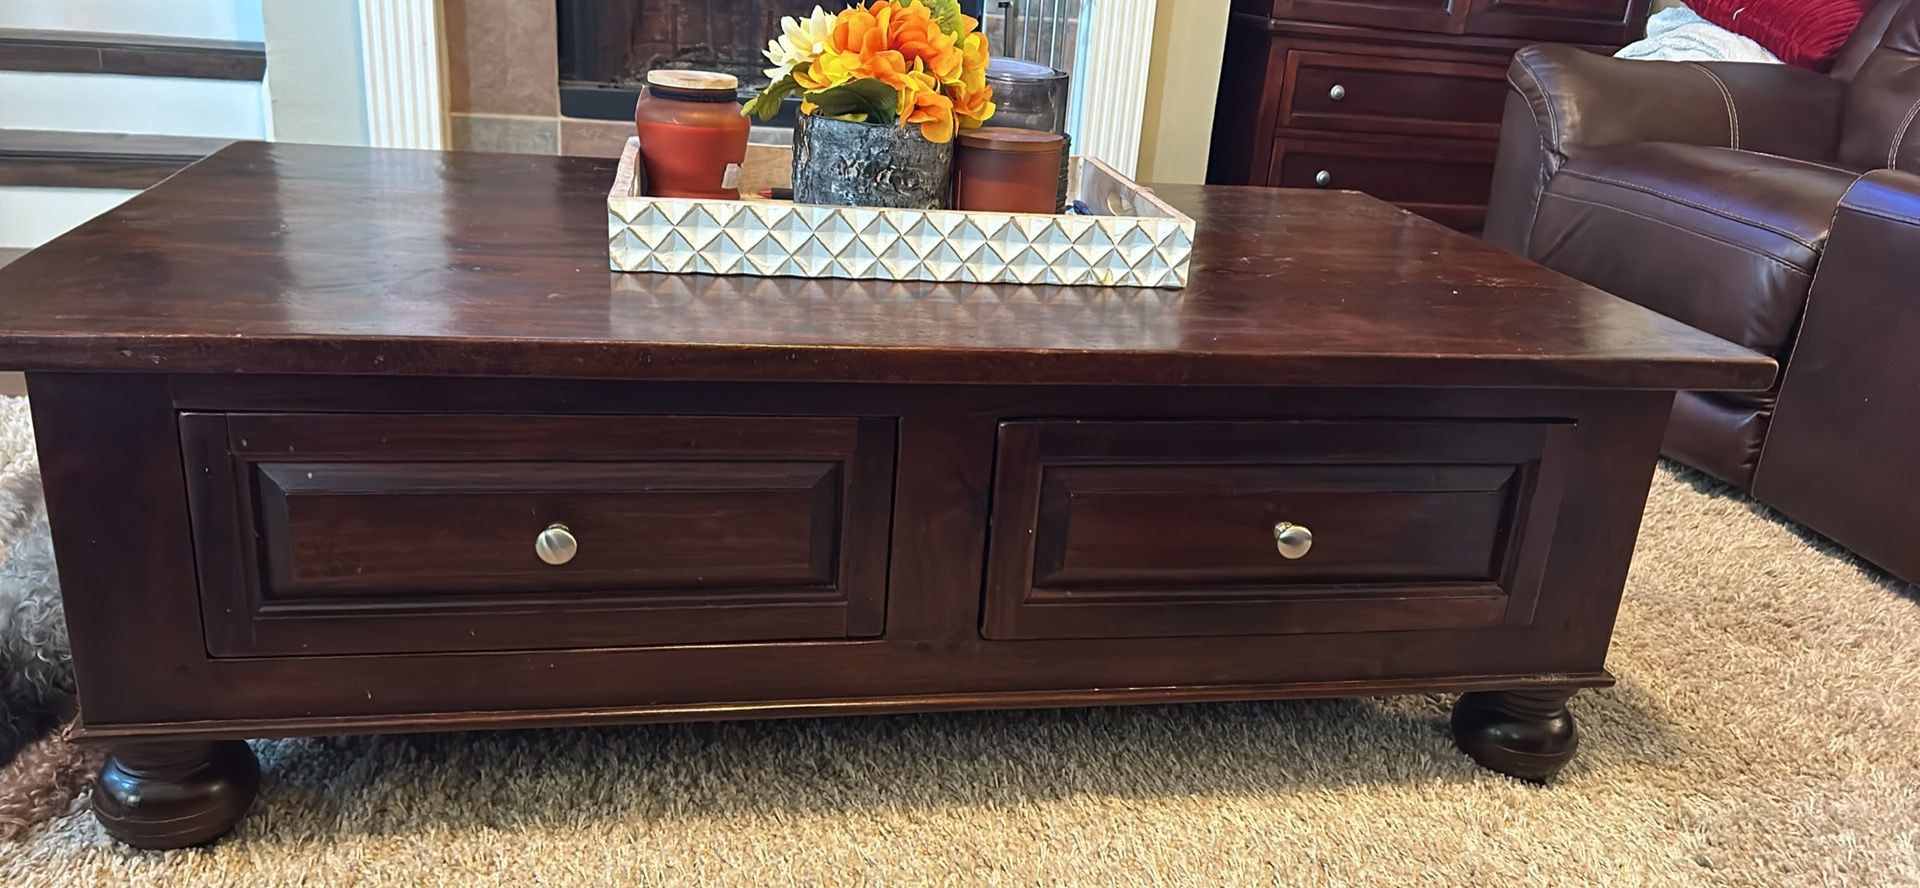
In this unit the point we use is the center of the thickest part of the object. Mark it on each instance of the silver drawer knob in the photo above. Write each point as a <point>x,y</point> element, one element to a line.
<point>1293,540</point>
<point>1323,178</point>
<point>556,544</point>
<point>1337,93</point>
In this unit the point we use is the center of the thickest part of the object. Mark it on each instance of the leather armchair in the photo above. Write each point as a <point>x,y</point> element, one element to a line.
<point>1775,207</point>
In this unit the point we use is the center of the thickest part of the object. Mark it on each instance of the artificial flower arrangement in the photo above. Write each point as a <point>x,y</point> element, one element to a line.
<point>889,62</point>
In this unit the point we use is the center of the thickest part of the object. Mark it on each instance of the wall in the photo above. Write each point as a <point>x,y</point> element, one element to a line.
<point>207,19</point>
<point>111,103</point>
<point>315,91</point>
<point>1189,38</point>
<point>180,106</point>
<point>32,215</point>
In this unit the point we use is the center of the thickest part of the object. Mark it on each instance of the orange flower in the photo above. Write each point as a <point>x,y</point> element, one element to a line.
<point>973,108</point>
<point>863,31</point>
<point>972,97</point>
<point>927,106</point>
<point>858,48</point>
<point>913,32</point>
<point>973,59</point>
<point>830,68</point>
<point>937,73</point>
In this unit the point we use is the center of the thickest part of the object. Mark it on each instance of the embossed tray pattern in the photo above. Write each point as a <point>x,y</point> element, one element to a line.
<point>1144,243</point>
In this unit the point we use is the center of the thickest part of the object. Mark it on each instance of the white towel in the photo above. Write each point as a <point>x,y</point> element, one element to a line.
<point>1680,35</point>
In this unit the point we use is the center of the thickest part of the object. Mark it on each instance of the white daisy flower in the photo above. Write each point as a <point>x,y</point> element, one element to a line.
<point>801,41</point>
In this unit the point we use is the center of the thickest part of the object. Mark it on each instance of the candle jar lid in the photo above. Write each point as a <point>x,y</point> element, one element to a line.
<point>698,86</point>
<point>1009,70</point>
<point>1019,141</point>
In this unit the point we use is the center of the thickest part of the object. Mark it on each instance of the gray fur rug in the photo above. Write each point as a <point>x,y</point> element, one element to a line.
<point>36,676</point>
<point>43,773</point>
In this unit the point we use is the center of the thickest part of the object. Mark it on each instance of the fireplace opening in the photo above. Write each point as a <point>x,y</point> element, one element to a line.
<point>608,46</point>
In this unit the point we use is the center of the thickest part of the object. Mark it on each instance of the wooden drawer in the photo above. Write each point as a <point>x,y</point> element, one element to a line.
<point>1444,181</point>
<point>1364,93</point>
<point>324,534</point>
<point>1137,529</point>
<point>1439,16</point>
<point>1606,22</point>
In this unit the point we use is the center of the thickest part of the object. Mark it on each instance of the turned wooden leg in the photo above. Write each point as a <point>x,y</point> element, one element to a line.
<point>1524,734</point>
<point>176,793</point>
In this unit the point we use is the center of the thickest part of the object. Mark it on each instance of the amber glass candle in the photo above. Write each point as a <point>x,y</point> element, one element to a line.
<point>1007,170</point>
<point>693,138</point>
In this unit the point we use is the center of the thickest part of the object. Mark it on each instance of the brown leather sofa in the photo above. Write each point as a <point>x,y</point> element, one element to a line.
<point>1773,206</point>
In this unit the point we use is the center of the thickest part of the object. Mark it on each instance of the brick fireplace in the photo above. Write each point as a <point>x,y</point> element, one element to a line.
<point>542,77</point>
<point>560,77</point>
<point>618,41</point>
<point>608,46</point>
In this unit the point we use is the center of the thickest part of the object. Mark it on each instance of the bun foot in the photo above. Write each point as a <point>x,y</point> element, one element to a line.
<point>1524,734</point>
<point>175,794</point>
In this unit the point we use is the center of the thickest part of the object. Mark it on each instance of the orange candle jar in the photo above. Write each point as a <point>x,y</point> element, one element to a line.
<point>693,138</point>
<point>1007,170</point>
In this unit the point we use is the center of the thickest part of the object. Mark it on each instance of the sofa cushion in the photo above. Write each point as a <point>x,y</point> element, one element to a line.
<point>1878,126</point>
<point>1867,36</point>
<point>1721,239</point>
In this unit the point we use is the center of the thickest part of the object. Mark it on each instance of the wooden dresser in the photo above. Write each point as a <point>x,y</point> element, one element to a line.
<point>1397,98</point>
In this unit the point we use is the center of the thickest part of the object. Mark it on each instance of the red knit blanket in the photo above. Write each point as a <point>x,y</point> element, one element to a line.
<point>1806,33</point>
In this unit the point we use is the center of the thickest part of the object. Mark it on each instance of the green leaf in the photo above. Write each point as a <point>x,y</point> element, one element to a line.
<point>947,14</point>
<point>767,103</point>
<point>867,96</point>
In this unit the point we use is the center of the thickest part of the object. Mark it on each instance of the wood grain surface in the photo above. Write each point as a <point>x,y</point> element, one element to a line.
<point>273,258</point>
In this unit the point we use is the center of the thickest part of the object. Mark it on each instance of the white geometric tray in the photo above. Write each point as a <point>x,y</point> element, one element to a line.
<point>1144,243</point>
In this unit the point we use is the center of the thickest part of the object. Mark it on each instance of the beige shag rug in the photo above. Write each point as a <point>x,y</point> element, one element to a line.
<point>1765,731</point>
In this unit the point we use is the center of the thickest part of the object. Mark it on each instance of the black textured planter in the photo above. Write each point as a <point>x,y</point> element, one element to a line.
<point>844,163</point>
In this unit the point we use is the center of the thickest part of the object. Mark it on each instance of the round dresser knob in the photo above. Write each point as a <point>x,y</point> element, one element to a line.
<point>556,544</point>
<point>1293,540</point>
<point>1323,178</point>
<point>1337,93</point>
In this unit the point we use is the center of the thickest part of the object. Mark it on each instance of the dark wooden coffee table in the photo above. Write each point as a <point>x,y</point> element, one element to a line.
<point>340,441</point>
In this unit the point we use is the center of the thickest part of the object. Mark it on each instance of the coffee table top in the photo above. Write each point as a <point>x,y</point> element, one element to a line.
<point>276,258</point>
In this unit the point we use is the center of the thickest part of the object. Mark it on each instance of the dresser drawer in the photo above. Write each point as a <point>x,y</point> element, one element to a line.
<point>1440,16</point>
<point>324,534</point>
<point>1376,94</point>
<point>1605,22</point>
<point>1122,529</point>
<point>1447,182</point>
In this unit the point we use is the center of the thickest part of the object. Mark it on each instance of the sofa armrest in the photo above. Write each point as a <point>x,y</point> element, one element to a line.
<point>1885,203</point>
<point>1592,101</point>
<point>1566,100</point>
<point>1844,428</point>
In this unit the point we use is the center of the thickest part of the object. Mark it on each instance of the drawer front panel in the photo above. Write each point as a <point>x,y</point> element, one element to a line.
<point>1212,525</point>
<point>1442,16</point>
<point>1607,22</point>
<point>1139,529</point>
<point>373,534</point>
<point>1360,93</point>
<point>1447,182</point>
<point>378,529</point>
